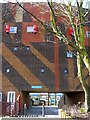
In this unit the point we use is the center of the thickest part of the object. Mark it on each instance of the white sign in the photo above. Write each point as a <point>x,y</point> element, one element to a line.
<point>30,29</point>
<point>13,29</point>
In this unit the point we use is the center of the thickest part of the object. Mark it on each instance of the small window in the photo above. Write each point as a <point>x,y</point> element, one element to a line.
<point>66,71</point>
<point>7,70</point>
<point>42,70</point>
<point>30,29</point>
<point>15,48</point>
<point>88,34</point>
<point>13,29</point>
<point>69,54</point>
<point>0,96</point>
<point>11,97</point>
<point>27,48</point>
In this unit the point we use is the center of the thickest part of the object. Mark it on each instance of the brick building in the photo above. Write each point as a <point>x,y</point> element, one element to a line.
<point>30,64</point>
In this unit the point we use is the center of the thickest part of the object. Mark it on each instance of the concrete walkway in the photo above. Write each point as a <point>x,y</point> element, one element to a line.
<point>47,111</point>
<point>46,117</point>
<point>36,113</point>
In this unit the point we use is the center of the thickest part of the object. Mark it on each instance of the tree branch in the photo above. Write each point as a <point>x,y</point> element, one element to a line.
<point>41,22</point>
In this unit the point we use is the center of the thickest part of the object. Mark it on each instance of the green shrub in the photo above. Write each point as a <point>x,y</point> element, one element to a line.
<point>82,110</point>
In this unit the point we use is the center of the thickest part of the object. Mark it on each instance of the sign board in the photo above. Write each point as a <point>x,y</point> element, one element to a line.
<point>36,87</point>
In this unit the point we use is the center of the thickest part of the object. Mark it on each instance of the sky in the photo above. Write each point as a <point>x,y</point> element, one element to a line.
<point>73,1</point>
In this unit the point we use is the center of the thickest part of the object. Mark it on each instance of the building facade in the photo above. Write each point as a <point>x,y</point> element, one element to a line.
<point>32,60</point>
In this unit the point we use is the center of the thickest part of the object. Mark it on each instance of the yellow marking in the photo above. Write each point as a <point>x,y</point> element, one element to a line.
<point>19,14</point>
<point>21,68</point>
<point>51,66</point>
<point>7,85</point>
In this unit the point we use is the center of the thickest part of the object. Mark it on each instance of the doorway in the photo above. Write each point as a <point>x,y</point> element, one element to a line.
<point>48,99</point>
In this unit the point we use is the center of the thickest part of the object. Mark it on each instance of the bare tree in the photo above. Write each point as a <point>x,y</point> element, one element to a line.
<point>74,16</point>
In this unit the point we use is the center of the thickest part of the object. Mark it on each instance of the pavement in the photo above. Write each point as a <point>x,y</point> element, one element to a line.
<point>38,112</point>
<point>46,111</point>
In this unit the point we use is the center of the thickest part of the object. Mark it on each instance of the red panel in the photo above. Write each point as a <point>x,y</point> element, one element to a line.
<point>38,11</point>
<point>71,31</point>
<point>7,28</point>
<point>56,58</point>
<point>35,28</point>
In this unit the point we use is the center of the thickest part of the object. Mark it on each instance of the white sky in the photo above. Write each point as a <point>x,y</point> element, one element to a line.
<point>65,1</point>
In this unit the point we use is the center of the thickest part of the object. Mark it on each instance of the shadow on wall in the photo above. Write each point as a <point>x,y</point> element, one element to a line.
<point>71,98</point>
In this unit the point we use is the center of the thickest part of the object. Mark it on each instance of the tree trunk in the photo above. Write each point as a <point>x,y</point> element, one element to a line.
<point>87,99</point>
<point>82,80</point>
<point>86,61</point>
